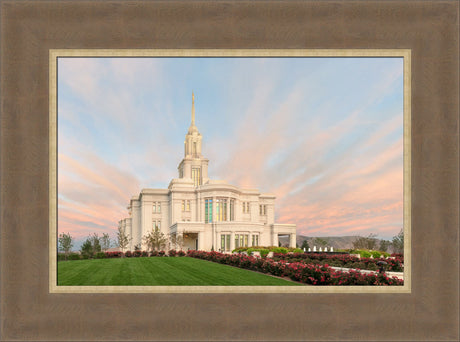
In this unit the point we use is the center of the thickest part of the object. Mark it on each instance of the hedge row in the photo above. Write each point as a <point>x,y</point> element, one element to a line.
<point>299,271</point>
<point>341,260</point>
<point>265,250</point>
<point>127,254</point>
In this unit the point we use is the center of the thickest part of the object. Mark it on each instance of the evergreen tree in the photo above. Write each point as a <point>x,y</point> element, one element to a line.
<point>87,248</point>
<point>384,245</point>
<point>305,245</point>
<point>398,242</point>
<point>95,242</point>
<point>91,246</point>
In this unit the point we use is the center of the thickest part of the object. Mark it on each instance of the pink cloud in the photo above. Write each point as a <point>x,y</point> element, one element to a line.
<point>93,194</point>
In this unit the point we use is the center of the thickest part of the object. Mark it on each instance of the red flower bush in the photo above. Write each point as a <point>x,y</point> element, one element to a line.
<point>308,273</point>
<point>116,254</point>
<point>341,260</point>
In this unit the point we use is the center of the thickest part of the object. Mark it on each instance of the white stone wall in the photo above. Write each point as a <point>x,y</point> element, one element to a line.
<point>251,223</point>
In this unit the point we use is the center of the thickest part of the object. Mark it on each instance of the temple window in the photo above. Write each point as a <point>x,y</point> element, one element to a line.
<point>196,176</point>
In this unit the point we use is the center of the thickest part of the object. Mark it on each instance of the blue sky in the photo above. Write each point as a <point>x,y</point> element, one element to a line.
<point>325,135</point>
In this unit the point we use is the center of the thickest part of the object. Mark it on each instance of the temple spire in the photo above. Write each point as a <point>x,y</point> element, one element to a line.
<point>193,109</point>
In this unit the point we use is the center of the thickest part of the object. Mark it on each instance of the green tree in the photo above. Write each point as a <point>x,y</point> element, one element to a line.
<point>398,242</point>
<point>305,245</point>
<point>91,246</point>
<point>87,248</point>
<point>95,241</point>
<point>384,245</point>
<point>65,243</point>
<point>321,242</point>
<point>123,239</point>
<point>155,240</point>
<point>105,242</point>
<point>366,242</point>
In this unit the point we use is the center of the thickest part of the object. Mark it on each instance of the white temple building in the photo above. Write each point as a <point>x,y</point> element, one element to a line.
<point>208,214</point>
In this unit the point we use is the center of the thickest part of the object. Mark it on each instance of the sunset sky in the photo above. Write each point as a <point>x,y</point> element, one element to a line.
<point>325,135</point>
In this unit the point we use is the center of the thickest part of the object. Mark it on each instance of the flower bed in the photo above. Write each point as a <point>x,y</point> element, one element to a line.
<point>341,260</point>
<point>313,274</point>
<point>139,253</point>
<point>116,254</point>
<point>266,250</point>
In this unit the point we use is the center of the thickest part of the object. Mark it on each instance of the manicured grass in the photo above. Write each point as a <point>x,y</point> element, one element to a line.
<point>163,271</point>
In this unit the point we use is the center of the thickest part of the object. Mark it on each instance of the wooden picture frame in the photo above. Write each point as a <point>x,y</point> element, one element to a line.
<point>30,29</point>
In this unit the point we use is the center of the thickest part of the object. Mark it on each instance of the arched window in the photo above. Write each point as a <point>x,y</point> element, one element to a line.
<point>196,176</point>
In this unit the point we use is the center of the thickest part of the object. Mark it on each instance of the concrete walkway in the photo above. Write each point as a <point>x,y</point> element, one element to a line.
<point>400,275</point>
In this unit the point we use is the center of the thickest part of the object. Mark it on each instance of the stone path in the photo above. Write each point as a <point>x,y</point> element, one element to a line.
<point>400,275</point>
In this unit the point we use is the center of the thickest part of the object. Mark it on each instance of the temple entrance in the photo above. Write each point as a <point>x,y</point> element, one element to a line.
<point>190,241</point>
<point>284,240</point>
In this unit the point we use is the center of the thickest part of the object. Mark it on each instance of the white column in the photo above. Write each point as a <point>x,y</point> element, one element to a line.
<point>275,240</point>
<point>292,240</point>
<point>232,241</point>
<point>214,205</point>
<point>200,240</point>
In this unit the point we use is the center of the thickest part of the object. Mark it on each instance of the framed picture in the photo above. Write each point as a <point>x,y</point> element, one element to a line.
<point>323,117</point>
<point>30,31</point>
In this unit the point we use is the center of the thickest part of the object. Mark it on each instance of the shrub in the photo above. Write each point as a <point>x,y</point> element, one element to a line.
<point>128,254</point>
<point>239,249</point>
<point>161,253</point>
<point>100,255</point>
<point>394,265</point>
<point>181,253</point>
<point>137,253</point>
<point>74,256</point>
<point>116,254</point>
<point>172,253</point>
<point>154,253</point>
<point>264,252</point>
<point>281,250</point>
<point>365,254</point>
<point>376,254</point>
<point>314,274</point>
<point>371,266</point>
<point>145,253</point>
<point>397,255</point>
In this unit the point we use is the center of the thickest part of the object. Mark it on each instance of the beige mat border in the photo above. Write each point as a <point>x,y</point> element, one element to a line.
<point>61,53</point>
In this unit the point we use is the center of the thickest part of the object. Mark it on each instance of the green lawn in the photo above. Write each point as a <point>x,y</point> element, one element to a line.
<point>163,271</point>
